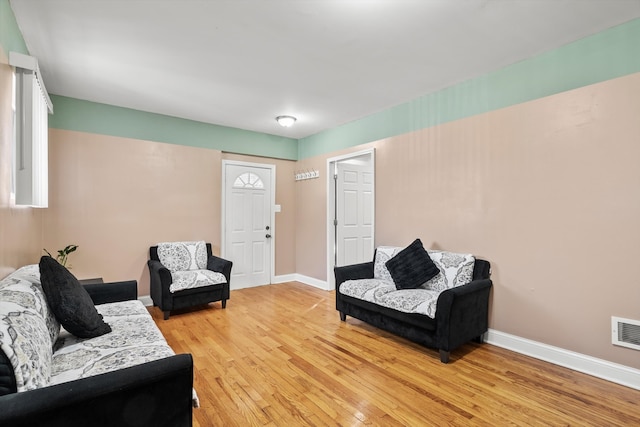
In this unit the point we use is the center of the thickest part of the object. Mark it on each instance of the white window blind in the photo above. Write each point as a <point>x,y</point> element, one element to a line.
<point>33,106</point>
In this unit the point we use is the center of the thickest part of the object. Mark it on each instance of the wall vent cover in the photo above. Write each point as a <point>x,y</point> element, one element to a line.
<point>625,332</point>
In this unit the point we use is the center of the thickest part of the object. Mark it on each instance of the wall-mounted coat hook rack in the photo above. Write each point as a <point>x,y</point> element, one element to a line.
<point>307,174</point>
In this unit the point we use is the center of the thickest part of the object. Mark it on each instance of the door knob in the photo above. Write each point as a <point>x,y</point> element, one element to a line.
<point>268,236</point>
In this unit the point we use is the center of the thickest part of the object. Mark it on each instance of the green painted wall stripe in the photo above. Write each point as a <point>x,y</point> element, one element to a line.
<point>603,56</point>
<point>92,117</point>
<point>10,36</point>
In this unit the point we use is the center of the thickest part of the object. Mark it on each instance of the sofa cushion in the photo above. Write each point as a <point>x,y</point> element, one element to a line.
<point>412,266</point>
<point>418,301</point>
<point>367,289</point>
<point>384,293</point>
<point>456,269</point>
<point>25,335</point>
<point>195,279</point>
<point>69,300</point>
<point>135,339</point>
<point>383,254</point>
<point>183,256</point>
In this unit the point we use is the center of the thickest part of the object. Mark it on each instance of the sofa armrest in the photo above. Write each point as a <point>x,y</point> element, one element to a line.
<point>102,293</point>
<point>350,272</point>
<point>353,272</point>
<point>462,313</point>
<point>220,265</point>
<point>157,393</point>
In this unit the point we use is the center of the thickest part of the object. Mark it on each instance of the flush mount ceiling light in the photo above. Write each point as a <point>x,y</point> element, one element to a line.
<point>286,121</point>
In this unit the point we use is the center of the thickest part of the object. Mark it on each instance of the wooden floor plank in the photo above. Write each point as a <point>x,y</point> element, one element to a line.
<point>279,355</point>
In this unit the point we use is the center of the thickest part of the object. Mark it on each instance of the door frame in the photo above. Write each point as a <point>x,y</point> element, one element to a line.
<point>272,213</point>
<point>331,206</point>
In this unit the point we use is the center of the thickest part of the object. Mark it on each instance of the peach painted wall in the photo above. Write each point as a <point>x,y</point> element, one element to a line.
<point>311,212</point>
<point>20,227</point>
<point>115,197</point>
<point>548,191</point>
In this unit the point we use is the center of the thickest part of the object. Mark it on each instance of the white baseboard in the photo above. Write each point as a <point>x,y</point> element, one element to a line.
<point>599,368</point>
<point>322,284</point>
<point>295,277</point>
<point>146,300</point>
<point>235,287</point>
<point>284,278</point>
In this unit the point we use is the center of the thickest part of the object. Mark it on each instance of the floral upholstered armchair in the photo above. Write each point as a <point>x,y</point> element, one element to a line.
<point>185,274</point>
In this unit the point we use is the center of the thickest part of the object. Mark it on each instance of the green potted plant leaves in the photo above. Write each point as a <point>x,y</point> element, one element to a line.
<point>63,254</point>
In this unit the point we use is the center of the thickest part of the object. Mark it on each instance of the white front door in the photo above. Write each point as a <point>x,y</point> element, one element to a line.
<point>354,213</point>
<point>247,223</point>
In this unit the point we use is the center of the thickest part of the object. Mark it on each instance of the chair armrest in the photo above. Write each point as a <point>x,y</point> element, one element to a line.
<point>220,265</point>
<point>160,281</point>
<point>102,293</point>
<point>160,274</point>
<point>462,313</point>
<point>157,393</point>
<point>353,272</point>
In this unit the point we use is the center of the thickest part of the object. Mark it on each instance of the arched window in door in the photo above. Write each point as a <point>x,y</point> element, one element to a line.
<point>248,180</point>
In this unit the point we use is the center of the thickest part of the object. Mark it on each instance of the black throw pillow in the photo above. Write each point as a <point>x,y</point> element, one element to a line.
<point>412,266</point>
<point>70,301</point>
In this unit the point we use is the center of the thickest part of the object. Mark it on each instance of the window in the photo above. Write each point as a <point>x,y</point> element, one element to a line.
<point>31,126</point>
<point>248,180</point>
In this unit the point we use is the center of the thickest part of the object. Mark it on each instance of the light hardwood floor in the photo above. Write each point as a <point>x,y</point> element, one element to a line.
<point>279,356</point>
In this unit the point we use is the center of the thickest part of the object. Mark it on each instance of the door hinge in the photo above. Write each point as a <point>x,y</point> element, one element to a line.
<point>335,222</point>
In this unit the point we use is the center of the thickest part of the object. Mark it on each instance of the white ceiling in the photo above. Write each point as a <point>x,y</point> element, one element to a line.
<point>240,63</point>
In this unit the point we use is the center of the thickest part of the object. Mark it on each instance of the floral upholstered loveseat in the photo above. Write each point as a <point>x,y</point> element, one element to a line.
<point>443,312</point>
<point>49,377</point>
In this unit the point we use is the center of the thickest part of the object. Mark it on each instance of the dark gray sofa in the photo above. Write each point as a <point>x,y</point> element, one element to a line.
<point>461,315</point>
